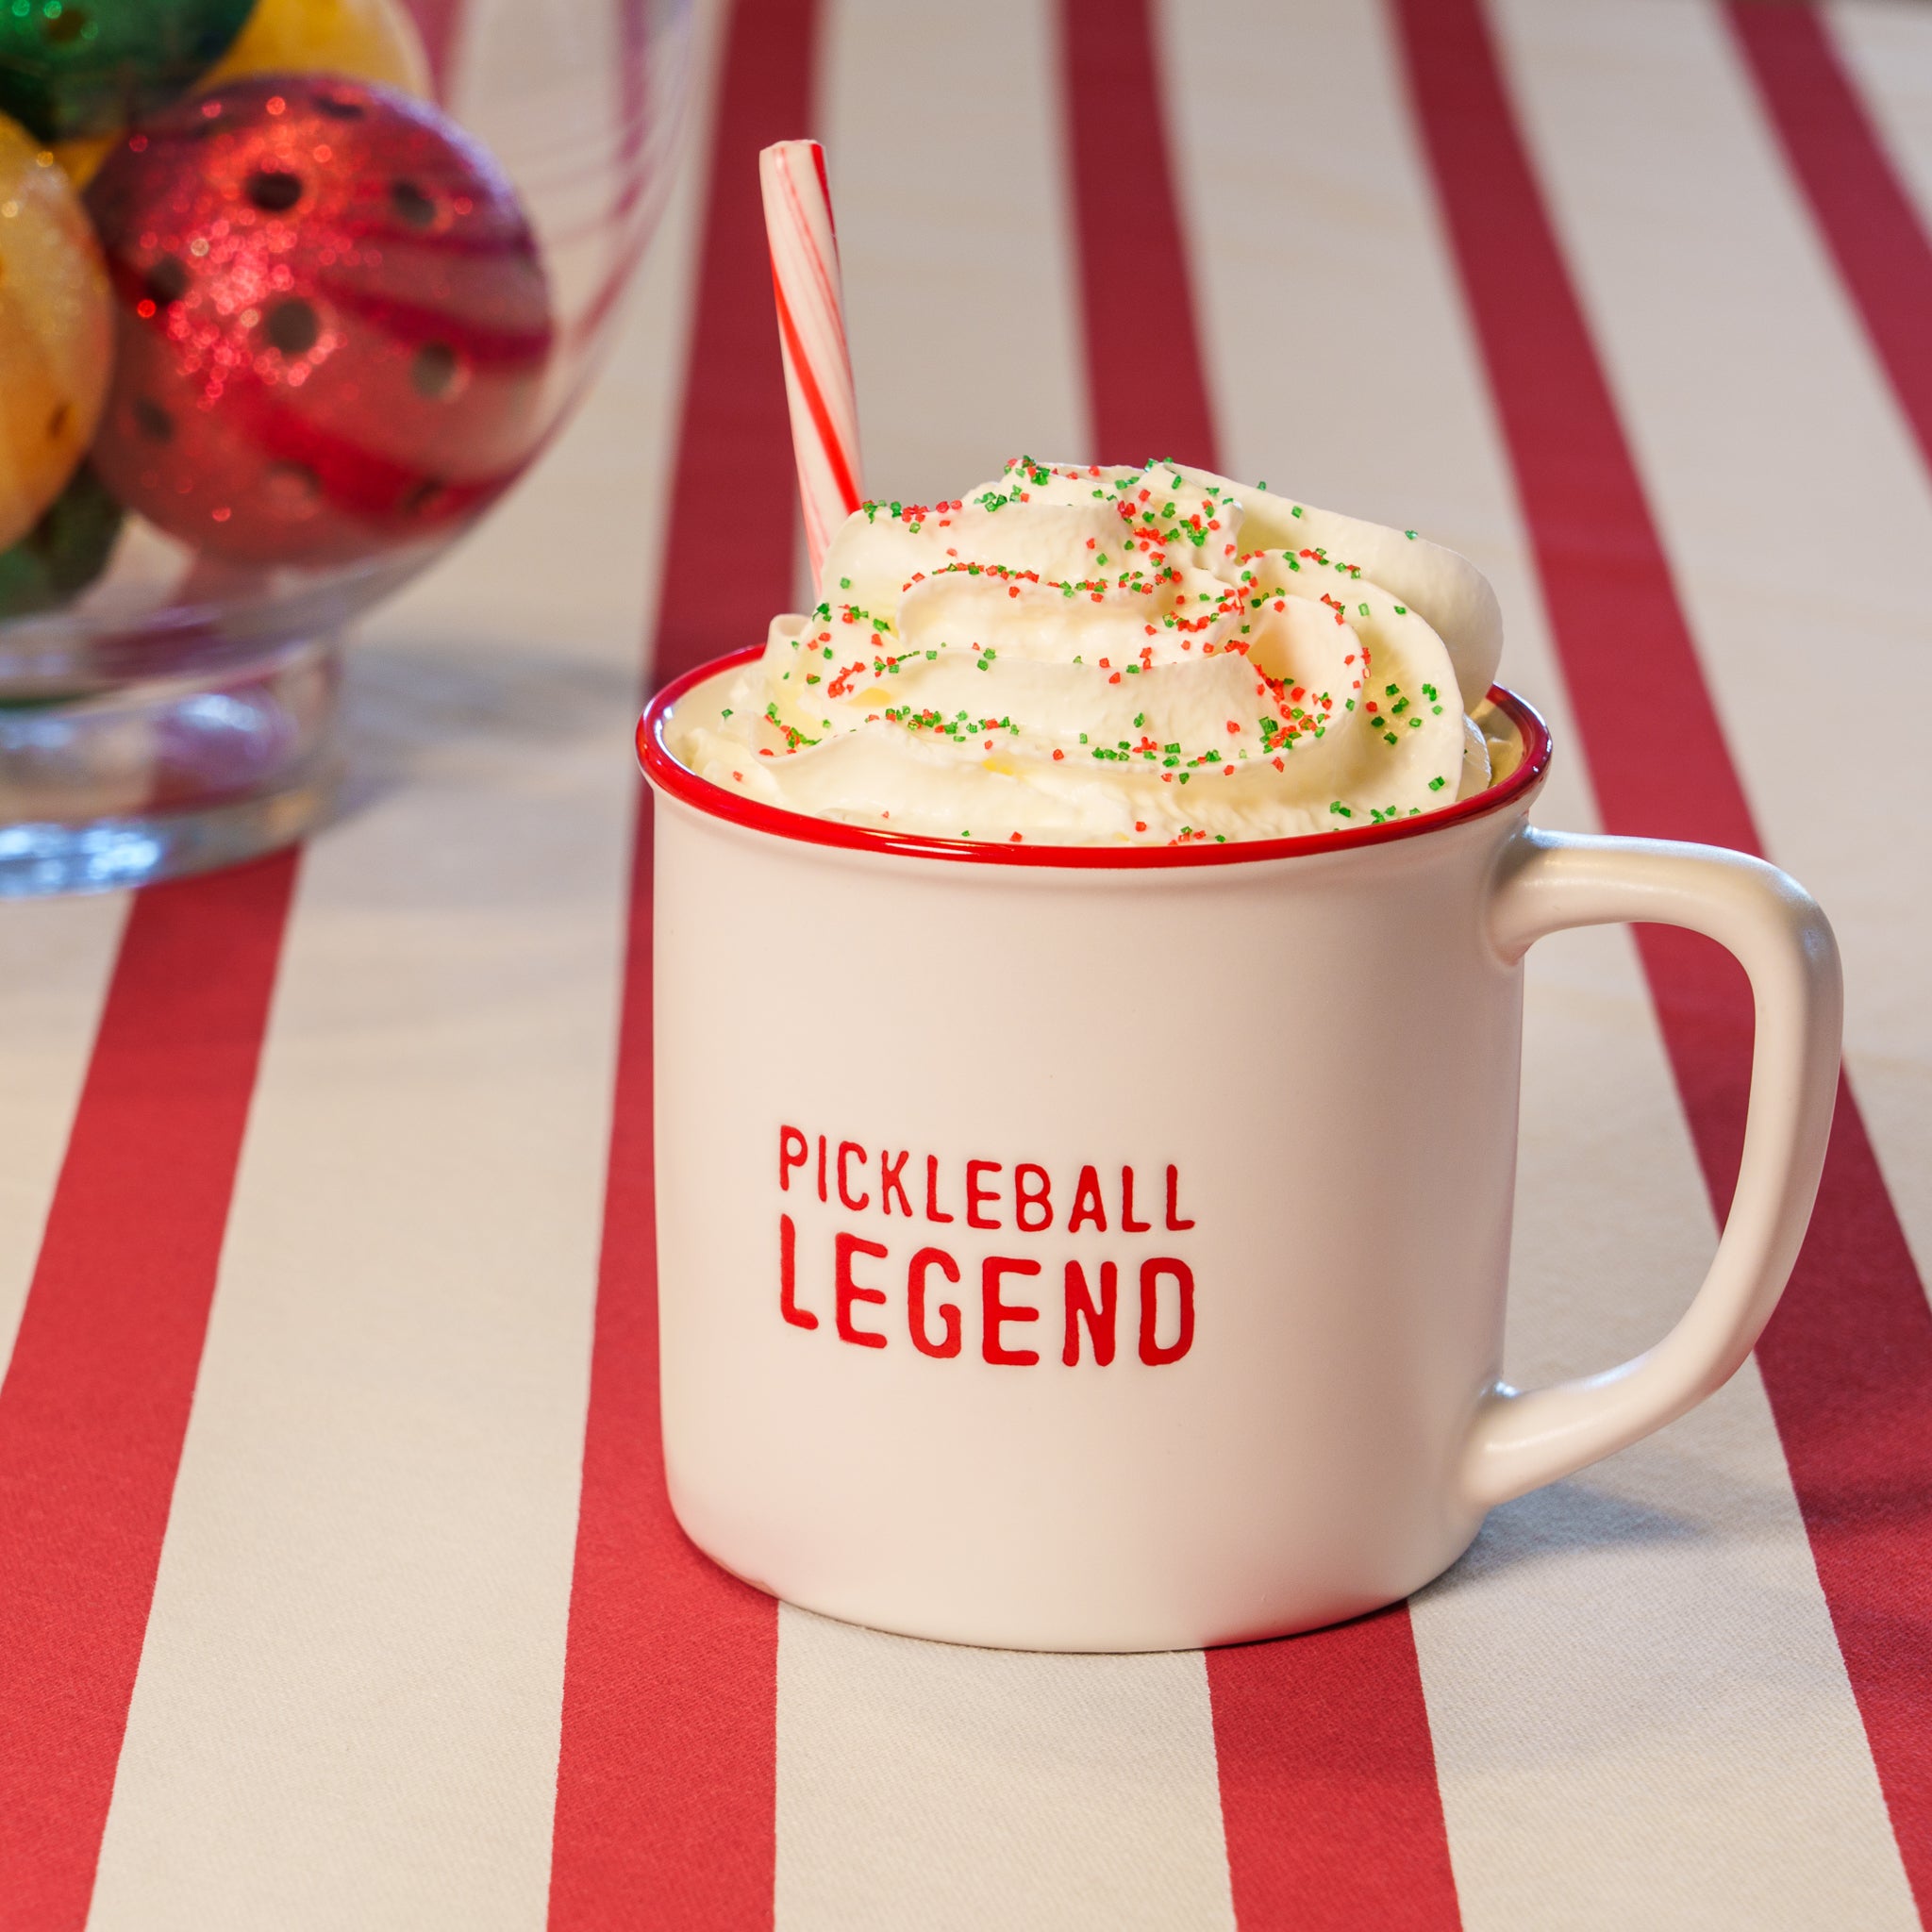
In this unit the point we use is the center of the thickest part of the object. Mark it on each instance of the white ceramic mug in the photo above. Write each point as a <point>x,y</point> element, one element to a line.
<point>1102,1248</point>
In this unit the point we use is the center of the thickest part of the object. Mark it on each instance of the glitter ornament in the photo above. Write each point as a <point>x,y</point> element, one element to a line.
<point>333,324</point>
<point>70,67</point>
<point>367,39</point>
<point>57,331</point>
<point>64,552</point>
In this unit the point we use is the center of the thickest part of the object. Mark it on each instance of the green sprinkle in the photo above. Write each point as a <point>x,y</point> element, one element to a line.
<point>1341,810</point>
<point>845,583</point>
<point>1437,784</point>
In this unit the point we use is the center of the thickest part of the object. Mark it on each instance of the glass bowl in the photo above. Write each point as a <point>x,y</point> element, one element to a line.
<point>291,292</point>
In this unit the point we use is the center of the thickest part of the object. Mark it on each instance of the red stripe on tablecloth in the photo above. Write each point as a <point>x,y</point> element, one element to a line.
<point>667,1778</point>
<point>1328,1793</point>
<point>97,1393</point>
<point>1847,1360</point>
<point>733,454</point>
<point>1146,378</point>
<point>1862,209</point>
<point>1328,1788</point>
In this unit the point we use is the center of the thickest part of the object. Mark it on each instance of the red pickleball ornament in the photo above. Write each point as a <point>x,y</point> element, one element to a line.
<point>333,321</point>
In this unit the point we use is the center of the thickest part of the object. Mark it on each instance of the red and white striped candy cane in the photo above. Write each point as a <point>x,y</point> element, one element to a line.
<point>811,328</point>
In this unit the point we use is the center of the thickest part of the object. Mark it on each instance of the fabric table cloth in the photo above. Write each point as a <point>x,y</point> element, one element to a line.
<point>337,1584</point>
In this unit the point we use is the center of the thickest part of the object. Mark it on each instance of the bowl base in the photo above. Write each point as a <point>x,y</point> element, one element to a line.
<point>154,780</point>
<point>109,853</point>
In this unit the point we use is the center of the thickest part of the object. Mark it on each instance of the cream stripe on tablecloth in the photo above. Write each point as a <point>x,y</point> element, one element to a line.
<point>347,1711</point>
<point>1791,496</point>
<point>55,957</point>
<point>942,128</point>
<point>1614,1639</point>
<point>920,1784</point>
<point>933,1786</point>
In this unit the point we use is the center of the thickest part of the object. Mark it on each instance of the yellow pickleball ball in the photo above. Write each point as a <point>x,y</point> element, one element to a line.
<point>368,40</point>
<point>57,330</point>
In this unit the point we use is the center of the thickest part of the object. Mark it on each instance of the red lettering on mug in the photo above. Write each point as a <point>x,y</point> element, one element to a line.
<point>1152,1352</point>
<point>787,1276</point>
<point>788,1138</point>
<point>849,1291</point>
<point>1099,1321</point>
<point>848,1148</point>
<point>822,1167</point>
<point>948,1345</point>
<point>889,1184</point>
<point>995,1314</point>
<point>932,1189</point>
<point>1026,1198</point>
<point>1175,1223</point>
<point>976,1196</point>
<point>1087,1206</point>
<point>1128,1225</point>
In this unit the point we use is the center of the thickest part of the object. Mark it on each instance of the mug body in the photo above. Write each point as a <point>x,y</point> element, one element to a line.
<point>1094,1254</point>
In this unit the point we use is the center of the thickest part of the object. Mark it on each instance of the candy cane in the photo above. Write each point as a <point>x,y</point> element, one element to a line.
<point>811,329</point>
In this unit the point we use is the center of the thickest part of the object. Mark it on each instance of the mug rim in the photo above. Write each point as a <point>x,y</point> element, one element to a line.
<point>718,801</point>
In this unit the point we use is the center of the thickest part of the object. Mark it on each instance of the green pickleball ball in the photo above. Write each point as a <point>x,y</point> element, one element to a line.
<point>70,67</point>
<point>64,552</point>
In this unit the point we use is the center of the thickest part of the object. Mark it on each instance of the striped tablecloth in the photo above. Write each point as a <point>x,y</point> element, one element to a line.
<point>337,1584</point>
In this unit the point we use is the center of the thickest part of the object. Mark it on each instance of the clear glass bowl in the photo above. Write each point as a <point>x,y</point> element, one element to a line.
<point>276,329</point>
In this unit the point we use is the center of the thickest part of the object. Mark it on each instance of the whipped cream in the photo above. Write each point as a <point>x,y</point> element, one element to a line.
<point>1091,655</point>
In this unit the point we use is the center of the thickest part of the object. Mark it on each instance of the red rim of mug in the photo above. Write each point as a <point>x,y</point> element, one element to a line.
<point>720,802</point>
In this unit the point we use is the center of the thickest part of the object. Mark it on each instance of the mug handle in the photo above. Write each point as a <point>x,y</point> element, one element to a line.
<point>1548,881</point>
